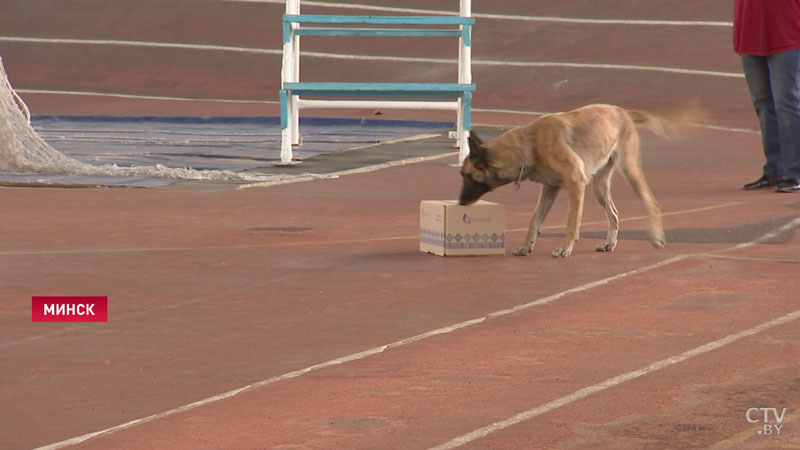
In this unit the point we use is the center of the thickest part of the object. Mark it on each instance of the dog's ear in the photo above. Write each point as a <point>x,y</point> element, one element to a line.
<point>473,136</point>
<point>477,152</point>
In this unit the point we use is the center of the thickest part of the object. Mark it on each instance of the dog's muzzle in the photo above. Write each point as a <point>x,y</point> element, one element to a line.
<point>471,191</point>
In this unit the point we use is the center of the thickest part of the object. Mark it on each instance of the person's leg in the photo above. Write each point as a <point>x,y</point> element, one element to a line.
<point>757,74</point>
<point>784,72</point>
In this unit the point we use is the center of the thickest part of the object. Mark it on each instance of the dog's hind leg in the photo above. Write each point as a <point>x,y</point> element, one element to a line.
<point>601,184</point>
<point>546,198</point>
<point>630,164</point>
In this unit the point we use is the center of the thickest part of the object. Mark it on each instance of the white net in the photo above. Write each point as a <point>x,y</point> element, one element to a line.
<point>22,150</point>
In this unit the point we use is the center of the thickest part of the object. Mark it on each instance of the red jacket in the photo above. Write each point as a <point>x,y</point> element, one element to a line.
<point>763,27</point>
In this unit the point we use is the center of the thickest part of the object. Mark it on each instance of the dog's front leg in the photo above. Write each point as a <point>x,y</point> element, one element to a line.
<point>546,198</point>
<point>576,191</point>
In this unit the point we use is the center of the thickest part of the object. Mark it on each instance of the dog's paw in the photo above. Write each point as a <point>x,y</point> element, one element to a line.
<point>606,247</point>
<point>522,251</point>
<point>561,253</point>
<point>658,238</point>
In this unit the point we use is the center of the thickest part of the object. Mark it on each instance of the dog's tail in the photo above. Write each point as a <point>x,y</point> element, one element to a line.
<point>671,123</point>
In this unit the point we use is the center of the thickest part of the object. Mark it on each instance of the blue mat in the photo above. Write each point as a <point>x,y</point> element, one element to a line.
<point>217,144</point>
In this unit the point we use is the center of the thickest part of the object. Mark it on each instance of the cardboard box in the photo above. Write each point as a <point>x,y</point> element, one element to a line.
<point>447,228</point>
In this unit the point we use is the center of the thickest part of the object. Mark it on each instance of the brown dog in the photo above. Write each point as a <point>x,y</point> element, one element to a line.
<point>568,150</point>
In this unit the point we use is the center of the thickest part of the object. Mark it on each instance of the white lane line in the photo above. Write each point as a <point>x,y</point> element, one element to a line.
<point>400,59</point>
<point>85,251</point>
<point>623,378</point>
<point>583,21</point>
<point>731,129</point>
<point>143,97</point>
<point>569,65</point>
<point>122,43</point>
<point>234,392</point>
<point>771,235</point>
<point>615,381</point>
<point>271,102</point>
<point>540,64</point>
<point>358,356</point>
<point>542,113</point>
<point>756,259</point>
<point>358,170</point>
<point>702,23</point>
<point>301,178</point>
<point>419,337</point>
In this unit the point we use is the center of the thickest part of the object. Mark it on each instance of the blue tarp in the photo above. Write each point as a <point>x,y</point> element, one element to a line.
<point>219,143</point>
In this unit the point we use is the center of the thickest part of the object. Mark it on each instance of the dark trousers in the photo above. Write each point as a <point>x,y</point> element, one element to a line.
<point>773,84</point>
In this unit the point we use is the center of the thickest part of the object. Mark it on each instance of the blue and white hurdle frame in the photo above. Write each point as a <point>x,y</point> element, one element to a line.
<point>458,96</point>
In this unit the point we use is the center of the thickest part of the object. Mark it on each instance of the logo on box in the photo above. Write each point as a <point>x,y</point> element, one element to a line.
<point>69,309</point>
<point>471,219</point>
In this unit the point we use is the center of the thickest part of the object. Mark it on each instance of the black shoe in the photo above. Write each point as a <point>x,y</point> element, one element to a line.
<point>765,182</point>
<point>788,185</point>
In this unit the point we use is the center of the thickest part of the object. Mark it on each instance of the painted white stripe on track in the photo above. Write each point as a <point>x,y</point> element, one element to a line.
<point>468,323</point>
<point>499,63</point>
<point>620,379</point>
<point>355,356</point>
<point>271,102</point>
<point>116,42</point>
<point>399,59</point>
<point>645,22</point>
<point>615,381</point>
<point>142,97</point>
